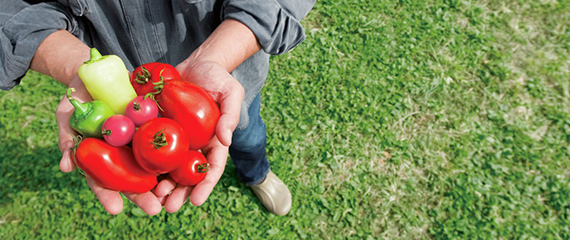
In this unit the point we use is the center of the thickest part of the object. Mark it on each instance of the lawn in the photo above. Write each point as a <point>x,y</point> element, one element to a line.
<point>408,119</point>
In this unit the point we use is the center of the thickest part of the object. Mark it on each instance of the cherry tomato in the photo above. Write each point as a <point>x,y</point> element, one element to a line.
<point>192,171</point>
<point>112,167</point>
<point>160,145</point>
<point>118,130</point>
<point>192,107</point>
<point>144,76</point>
<point>141,109</point>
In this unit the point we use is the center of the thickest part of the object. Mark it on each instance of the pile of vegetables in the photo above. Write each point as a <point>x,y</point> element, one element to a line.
<point>141,126</point>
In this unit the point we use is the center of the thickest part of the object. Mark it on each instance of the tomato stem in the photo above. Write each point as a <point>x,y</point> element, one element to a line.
<point>106,132</point>
<point>158,86</point>
<point>137,106</point>
<point>203,168</point>
<point>76,141</point>
<point>159,140</point>
<point>144,77</point>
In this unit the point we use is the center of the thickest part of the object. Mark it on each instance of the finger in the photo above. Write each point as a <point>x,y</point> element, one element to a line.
<point>165,187</point>
<point>147,201</point>
<point>230,106</point>
<point>111,200</point>
<point>177,198</point>
<point>217,157</point>
<point>162,200</point>
<point>66,133</point>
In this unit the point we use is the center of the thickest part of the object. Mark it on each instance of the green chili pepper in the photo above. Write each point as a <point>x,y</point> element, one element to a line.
<point>88,117</point>
<point>107,79</point>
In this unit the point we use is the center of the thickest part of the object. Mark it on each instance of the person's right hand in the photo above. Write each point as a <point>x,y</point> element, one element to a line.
<point>110,199</point>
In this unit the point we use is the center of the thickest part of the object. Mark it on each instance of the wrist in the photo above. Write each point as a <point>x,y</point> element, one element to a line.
<point>59,56</point>
<point>228,46</point>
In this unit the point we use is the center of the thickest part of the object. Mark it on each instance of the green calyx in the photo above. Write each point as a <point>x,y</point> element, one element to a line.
<point>76,141</point>
<point>203,168</point>
<point>144,77</point>
<point>159,140</point>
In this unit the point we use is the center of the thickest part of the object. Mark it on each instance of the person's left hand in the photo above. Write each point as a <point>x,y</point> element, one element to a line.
<point>228,93</point>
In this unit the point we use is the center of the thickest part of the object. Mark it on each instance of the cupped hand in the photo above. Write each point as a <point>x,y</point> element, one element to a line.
<point>111,200</point>
<point>228,93</point>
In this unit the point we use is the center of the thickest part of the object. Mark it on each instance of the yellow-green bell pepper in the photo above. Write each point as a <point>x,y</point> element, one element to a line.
<point>107,79</point>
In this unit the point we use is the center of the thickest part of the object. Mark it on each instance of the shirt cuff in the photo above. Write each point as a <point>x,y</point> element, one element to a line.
<point>277,28</point>
<point>21,35</point>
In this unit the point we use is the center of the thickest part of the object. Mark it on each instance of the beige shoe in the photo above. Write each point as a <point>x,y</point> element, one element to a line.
<point>273,194</point>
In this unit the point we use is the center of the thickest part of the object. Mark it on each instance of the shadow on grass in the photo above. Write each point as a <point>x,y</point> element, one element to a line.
<point>33,169</point>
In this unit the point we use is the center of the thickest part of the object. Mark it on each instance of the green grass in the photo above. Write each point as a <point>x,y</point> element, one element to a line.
<point>404,119</point>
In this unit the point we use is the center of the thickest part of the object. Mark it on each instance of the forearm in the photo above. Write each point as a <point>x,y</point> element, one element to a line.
<point>59,56</point>
<point>229,45</point>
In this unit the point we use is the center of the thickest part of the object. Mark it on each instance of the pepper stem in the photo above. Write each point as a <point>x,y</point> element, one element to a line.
<point>80,108</point>
<point>159,140</point>
<point>95,54</point>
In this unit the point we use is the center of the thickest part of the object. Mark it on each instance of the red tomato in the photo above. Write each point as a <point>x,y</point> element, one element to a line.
<point>118,130</point>
<point>192,171</point>
<point>160,145</point>
<point>141,110</point>
<point>112,167</point>
<point>193,108</point>
<point>145,75</point>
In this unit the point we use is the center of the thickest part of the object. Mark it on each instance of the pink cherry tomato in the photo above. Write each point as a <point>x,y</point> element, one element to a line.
<point>118,130</point>
<point>141,110</point>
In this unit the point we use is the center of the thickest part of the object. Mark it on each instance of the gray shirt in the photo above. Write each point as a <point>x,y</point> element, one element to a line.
<point>142,31</point>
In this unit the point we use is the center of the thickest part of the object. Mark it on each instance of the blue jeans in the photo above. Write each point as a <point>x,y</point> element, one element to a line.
<point>248,147</point>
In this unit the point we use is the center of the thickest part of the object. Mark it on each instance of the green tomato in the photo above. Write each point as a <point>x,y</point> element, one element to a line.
<point>88,118</point>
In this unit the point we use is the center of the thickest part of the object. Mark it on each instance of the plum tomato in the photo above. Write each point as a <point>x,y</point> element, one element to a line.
<point>141,109</point>
<point>118,130</point>
<point>160,145</point>
<point>112,167</point>
<point>192,107</point>
<point>192,171</point>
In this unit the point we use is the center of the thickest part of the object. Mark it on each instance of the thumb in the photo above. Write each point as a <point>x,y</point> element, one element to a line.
<point>66,133</point>
<point>230,107</point>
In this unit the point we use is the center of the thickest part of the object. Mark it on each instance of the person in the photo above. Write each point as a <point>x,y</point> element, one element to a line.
<point>221,45</point>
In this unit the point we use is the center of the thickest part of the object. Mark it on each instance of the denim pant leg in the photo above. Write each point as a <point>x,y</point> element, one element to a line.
<point>248,147</point>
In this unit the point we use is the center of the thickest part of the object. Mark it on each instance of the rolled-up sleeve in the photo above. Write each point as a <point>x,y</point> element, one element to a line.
<point>22,28</point>
<point>275,23</point>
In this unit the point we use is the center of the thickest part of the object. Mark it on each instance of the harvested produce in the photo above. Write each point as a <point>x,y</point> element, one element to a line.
<point>192,107</point>
<point>112,167</point>
<point>145,76</point>
<point>118,130</point>
<point>87,118</point>
<point>141,109</point>
<point>107,79</point>
<point>160,145</point>
<point>192,171</point>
